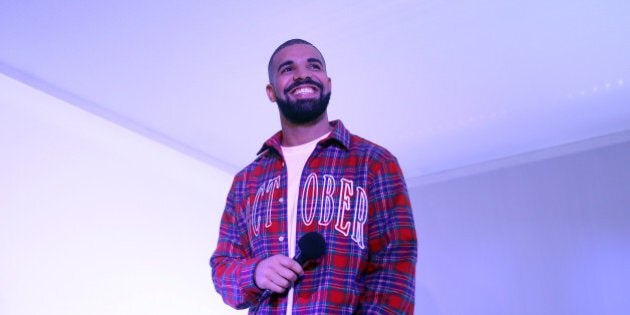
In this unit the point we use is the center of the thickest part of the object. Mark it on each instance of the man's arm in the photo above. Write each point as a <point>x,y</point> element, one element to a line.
<point>232,262</point>
<point>390,277</point>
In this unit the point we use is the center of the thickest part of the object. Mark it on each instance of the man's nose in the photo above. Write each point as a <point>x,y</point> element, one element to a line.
<point>300,74</point>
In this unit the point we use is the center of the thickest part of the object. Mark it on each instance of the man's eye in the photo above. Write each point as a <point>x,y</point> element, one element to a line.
<point>315,66</point>
<point>285,69</point>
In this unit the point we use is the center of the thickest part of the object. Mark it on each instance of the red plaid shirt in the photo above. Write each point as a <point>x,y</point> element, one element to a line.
<point>353,193</point>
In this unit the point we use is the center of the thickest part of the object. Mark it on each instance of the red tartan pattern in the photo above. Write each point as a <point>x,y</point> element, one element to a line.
<point>352,191</point>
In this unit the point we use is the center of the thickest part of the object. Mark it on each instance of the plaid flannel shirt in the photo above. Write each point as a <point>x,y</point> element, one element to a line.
<point>353,192</point>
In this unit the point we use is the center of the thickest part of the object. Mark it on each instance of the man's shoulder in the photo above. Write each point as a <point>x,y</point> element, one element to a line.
<point>362,146</point>
<point>357,144</point>
<point>254,167</point>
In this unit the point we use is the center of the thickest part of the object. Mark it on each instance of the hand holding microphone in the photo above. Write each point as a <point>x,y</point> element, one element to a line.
<point>277,273</point>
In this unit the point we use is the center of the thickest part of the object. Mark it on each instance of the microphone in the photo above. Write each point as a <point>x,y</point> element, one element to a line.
<point>312,246</point>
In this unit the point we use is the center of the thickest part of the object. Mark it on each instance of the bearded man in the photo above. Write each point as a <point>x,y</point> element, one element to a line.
<point>315,176</point>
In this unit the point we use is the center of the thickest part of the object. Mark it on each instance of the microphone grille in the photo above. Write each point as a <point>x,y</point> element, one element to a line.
<point>312,245</point>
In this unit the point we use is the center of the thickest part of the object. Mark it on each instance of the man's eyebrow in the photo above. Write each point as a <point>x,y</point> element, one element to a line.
<point>315,60</point>
<point>288,62</point>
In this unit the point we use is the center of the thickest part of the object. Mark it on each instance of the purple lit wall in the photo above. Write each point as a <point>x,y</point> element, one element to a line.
<point>549,236</point>
<point>96,219</point>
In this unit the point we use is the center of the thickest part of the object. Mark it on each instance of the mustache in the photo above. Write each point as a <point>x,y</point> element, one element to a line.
<point>305,81</point>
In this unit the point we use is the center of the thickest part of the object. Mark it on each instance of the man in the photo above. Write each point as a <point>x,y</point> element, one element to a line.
<point>314,175</point>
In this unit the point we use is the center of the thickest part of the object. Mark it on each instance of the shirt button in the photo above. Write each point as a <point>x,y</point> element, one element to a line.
<point>281,200</point>
<point>281,238</point>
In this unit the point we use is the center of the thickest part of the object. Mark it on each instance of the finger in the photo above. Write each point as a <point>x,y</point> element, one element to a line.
<point>274,288</point>
<point>273,282</point>
<point>288,275</point>
<point>282,281</point>
<point>294,266</point>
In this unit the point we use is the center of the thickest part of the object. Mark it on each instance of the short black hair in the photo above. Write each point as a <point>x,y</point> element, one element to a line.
<point>290,42</point>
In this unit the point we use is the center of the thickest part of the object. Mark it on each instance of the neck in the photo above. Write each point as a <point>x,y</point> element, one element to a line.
<point>293,134</point>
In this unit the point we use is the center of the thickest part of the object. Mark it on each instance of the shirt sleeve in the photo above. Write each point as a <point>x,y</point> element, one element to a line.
<point>390,277</point>
<point>232,262</point>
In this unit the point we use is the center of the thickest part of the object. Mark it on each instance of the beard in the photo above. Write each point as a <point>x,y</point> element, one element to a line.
<point>303,111</point>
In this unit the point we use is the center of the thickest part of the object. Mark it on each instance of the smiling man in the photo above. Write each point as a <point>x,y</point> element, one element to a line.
<point>315,176</point>
<point>298,83</point>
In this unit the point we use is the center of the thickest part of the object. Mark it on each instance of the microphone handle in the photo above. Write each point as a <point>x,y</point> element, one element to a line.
<point>265,295</point>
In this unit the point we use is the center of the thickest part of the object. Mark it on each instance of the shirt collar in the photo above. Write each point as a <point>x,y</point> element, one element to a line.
<point>339,135</point>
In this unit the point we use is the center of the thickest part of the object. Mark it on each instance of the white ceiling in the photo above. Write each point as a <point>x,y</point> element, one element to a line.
<point>442,84</point>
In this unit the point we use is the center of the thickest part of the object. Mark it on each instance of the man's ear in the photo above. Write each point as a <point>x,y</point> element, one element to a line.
<point>270,93</point>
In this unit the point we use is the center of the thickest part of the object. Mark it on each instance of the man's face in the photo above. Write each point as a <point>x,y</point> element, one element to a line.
<point>299,83</point>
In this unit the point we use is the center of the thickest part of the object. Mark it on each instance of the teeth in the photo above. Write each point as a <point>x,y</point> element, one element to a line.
<point>304,90</point>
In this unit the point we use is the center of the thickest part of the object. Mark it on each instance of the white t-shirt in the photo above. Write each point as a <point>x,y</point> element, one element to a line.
<point>295,158</point>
